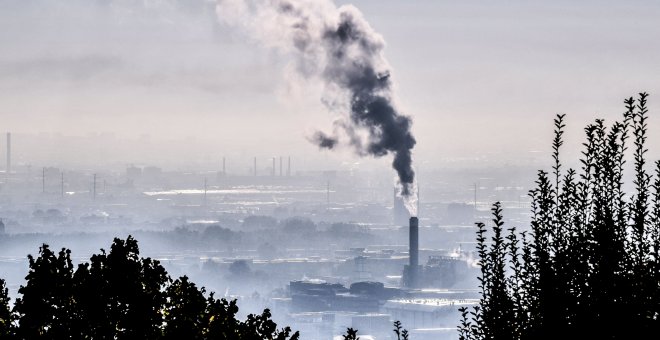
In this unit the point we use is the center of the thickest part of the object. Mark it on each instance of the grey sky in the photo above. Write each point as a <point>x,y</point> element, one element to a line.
<point>477,76</point>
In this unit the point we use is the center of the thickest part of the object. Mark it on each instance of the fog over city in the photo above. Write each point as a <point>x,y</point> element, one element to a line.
<point>324,159</point>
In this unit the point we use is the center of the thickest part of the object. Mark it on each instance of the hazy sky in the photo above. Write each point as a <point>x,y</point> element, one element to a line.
<point>478,77</point>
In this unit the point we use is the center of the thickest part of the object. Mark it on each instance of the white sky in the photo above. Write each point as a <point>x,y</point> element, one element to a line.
<point>479,77</point>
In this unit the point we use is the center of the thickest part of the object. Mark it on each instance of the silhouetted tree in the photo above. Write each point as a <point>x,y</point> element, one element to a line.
<point>120,295</point>
<point>222,318</point>
<point>351,334</point>
<point>588,267</point>
<point>399,331</point>
<point>6,316</point>
<point>47,308</point>
<point>185,311</point>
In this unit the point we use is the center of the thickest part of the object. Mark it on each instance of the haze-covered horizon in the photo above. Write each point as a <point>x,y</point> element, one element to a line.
<point>477,79</point>
<point>347,165</point>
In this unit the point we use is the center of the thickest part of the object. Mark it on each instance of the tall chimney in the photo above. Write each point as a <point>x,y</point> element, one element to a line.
<point>224,170</point>
<point>8,152</point>
<point>255,167</point>
<point>288,169</point>
<point>413,250</point>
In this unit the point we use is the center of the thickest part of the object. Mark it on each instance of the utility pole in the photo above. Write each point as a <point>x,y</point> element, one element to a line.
<point>328,195</point>
<point>8,153</point>
<point>205,189</point>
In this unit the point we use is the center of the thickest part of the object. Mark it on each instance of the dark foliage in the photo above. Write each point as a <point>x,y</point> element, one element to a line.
<point>6,316</point>
<point>351,334</point>
<point>399,331</point>
<point>120,295</point>
<point>589,265</point>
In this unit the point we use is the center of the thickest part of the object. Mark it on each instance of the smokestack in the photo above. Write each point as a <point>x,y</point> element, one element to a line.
<point>413,250</point>
<point>8,152</point>
<point>224,172</point>
<point>273,172</point>
<point>280,166</point>
<point>255,166</point>
<point>288,169</point>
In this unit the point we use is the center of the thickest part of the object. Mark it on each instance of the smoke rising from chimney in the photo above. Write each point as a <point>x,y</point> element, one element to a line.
<point>337,46</point>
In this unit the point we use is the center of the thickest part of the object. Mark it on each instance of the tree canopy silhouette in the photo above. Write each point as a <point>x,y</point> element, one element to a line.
<point>589,266</point>
<point>120,295</point>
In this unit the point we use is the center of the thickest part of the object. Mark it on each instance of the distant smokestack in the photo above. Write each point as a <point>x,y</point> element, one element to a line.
<point>8,152</point>
<point>413,250</point>
<point>255,167</point>
<point>224,172</point>
<point>288,169</point>
<point>280,166</point>
<point>273,172</point>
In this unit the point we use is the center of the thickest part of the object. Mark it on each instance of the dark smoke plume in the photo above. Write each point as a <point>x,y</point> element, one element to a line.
<point>323,140</point>
<point>337,46</point>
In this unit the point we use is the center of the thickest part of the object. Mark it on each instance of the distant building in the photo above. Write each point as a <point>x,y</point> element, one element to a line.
<point>362,297</point>
<point>442,271</point>
<point>152,171</point>
<point>133,172</point>
<point>418,313</point>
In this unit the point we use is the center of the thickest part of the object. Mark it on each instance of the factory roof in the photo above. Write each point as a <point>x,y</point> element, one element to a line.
<point>427,305</point>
